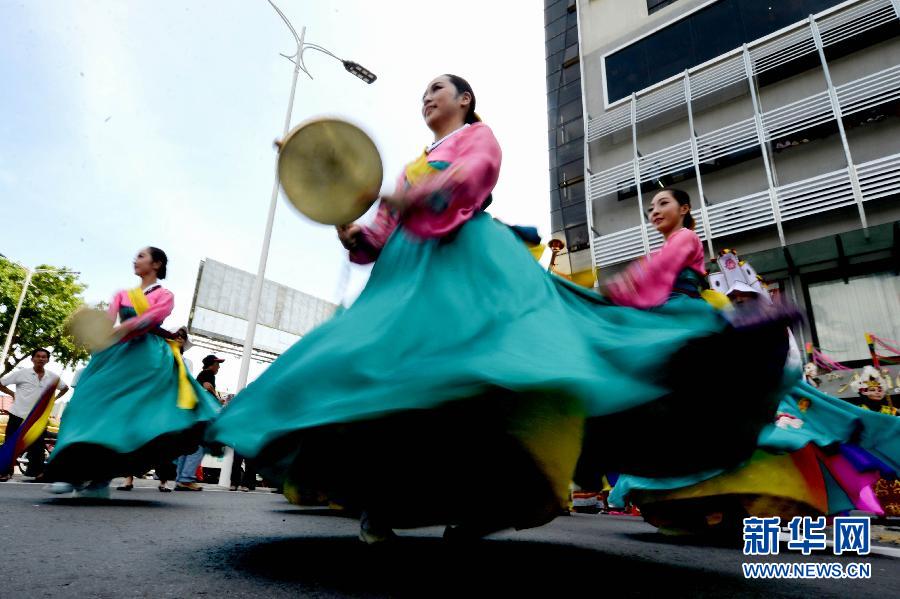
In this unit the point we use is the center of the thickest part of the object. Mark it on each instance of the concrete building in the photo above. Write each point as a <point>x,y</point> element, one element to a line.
<point>781,119</point>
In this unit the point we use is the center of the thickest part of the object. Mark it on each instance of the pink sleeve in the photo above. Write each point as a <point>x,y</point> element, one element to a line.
<point>374,236</point>
<point>114,305</point>
<point>449,198</point>
<point>162,302</point>
<point>649,282</point>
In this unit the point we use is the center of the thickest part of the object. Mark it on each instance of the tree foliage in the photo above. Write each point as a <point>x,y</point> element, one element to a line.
<point>51,298</point>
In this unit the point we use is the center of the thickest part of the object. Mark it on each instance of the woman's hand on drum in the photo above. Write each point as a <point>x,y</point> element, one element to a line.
<point>349,235</point>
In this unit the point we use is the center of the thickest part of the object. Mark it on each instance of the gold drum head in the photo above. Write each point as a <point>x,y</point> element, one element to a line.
<point>330,170</point>
<point>91,329</point>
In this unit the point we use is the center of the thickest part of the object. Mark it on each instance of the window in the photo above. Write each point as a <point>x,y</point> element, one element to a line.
<point>577,238</point>
<point>700,36</point>
<point>655,5</point>
<point>574,215</point>
<point>570,173</point>
<point>572,194</point>
<point>842,313</point>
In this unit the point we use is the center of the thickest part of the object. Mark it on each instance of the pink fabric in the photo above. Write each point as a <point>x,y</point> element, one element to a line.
<point>161,301</point>
<point>649,281</point>
<point>474,156</point>
<point>857,485</point>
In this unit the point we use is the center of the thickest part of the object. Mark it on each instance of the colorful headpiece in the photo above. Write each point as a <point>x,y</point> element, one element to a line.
<point>736,275</point>
<point>870,377</point>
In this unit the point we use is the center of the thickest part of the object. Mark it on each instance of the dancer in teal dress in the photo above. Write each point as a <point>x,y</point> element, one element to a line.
<point>435,390</point>
<point>135,404</point>
<point>819,455</point>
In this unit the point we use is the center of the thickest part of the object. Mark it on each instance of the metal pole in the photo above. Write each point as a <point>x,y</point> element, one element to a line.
<point>256,295</point>
<point>645,240</point>
<point>12,327</point>
<point>695,157</point>
<point>763,145</point>
<point>836,110</point>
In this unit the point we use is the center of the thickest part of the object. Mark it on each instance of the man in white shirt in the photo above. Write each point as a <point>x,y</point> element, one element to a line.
<point>30,383</point>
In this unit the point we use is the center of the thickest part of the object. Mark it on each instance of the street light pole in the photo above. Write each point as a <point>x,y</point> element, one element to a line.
<point>256,293</point>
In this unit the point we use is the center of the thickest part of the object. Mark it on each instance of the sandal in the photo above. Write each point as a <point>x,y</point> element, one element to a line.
<point>125,488</point>
<point>164,489</point>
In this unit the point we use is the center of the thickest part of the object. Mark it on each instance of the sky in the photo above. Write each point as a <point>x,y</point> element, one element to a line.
<point>128,123</point>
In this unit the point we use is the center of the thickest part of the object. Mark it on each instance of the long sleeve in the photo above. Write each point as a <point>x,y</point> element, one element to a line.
<point>373,237</point>
<point>649,282</point>
<point>162,302</point>
<point>114,305</point>
<point>443,201</point>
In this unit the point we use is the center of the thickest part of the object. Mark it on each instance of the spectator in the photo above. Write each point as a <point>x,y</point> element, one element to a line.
<point>186,479</point>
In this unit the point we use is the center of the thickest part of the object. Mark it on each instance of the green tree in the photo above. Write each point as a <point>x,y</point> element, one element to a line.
<point>51,298</point>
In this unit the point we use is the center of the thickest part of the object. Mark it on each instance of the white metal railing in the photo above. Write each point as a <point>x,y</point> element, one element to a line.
<point>742,214</point>
<point>780,122</point>
<point>877,179</point>
<point>814,195</point>
<point>855,20</point>
<point>717,76</point>
<point>727,140</point>
<point>796,116</point>
<point>766,54</point>
<point>870,91</point>
<point>783,49</point>
<point>612,180</point>
<point>667,161</point>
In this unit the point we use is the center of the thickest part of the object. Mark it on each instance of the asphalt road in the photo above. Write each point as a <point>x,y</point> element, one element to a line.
<point>233,544</point>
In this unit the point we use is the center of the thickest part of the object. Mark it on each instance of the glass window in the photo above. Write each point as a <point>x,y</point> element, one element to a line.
<point>655,5</point>
<point>698,37</point>
<point>714,29</point>
<point>670,51</point>
<point>555,28</point>
<point>570,151</point>
<point>571,73</point>
<point>556,220</point>
<point>574,215</point>
<point>570,131</point>
<point>571,172</point>
<point>572,194</point>
<point>570,111</point>
<point>554,11</point>
<point>577,238</point>
<point>842,313</point>
<point>569,92</point>
<point>557,44</point>
<point>571,56</point>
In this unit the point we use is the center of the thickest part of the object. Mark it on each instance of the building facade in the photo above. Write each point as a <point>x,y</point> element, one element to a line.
<point>782,121</point>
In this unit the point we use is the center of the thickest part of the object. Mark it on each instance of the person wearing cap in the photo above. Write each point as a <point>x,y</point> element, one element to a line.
<point>186,466</point>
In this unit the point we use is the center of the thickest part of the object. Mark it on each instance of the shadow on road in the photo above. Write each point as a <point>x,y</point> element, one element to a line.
<point>417,566</point>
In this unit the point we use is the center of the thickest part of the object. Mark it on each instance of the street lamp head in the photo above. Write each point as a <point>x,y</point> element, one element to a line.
<point>360,71</point>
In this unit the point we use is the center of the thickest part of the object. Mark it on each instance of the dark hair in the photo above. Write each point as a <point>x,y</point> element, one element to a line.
<point>683,199</point>
<point>39,350</point>
<point>157,255</point>
<point>463,86</point>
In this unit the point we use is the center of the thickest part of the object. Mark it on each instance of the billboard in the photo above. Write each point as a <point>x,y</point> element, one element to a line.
<point>221,303</point>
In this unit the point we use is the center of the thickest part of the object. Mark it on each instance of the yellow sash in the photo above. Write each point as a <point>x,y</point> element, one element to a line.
<point>187,398</point>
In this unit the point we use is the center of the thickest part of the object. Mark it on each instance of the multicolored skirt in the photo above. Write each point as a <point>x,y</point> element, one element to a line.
<point>820,456</point>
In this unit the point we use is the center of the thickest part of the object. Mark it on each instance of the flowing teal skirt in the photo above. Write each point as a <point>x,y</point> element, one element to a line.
<point>124,417</point>
<point>821,455</point>
<point>465,370</point>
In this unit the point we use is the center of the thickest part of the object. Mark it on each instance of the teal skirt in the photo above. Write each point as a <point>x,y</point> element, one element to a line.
<point>124,417</point>
<point>464,369</point>
<point>819,456</point>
